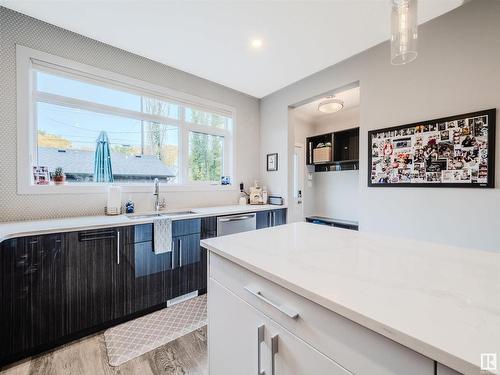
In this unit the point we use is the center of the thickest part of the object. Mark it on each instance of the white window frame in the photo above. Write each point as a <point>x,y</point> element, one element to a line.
<point>27,135</point>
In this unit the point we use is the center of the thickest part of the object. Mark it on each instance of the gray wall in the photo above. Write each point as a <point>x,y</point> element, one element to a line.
<point>333,194</point>
<point>19,29</point>
<point>457,71</point>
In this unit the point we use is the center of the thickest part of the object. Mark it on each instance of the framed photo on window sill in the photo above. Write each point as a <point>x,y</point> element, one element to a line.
<point>272,162</point>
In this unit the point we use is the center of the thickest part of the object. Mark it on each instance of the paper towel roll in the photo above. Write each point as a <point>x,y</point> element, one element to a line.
<point>114,201</point>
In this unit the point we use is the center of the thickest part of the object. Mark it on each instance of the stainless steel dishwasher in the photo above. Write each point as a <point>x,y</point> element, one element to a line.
<point>236,223</point>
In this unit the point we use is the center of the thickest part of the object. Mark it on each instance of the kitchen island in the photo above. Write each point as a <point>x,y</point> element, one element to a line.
<point>304,298</point>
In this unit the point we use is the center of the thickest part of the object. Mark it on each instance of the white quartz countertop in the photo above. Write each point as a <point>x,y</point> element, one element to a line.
<point>441,301</point>
<point>29,228</point>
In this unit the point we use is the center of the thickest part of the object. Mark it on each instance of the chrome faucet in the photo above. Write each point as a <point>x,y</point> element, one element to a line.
<point>158,204</point>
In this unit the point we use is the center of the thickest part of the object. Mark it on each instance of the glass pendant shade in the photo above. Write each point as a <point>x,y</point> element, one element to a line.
<point>404,31</point>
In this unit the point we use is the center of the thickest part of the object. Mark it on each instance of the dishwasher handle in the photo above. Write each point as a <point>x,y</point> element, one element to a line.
<point>236,218</point>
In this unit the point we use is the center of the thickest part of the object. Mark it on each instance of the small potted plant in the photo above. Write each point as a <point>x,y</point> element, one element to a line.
<point>58,177</point>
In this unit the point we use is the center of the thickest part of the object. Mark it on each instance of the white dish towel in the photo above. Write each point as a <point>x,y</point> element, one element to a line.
<point>162,235</point>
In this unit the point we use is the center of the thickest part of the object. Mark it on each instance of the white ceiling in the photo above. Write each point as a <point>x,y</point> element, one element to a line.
<point>211,38</point>
<point>310,111</point>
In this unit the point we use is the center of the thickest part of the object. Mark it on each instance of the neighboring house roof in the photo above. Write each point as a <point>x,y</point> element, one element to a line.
<point>82,162</point>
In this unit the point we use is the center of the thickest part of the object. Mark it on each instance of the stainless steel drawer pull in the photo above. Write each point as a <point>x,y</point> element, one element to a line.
<point>284,309</point>
<point>236,218</point>
<point>274,351</point>
<point>260,340</point>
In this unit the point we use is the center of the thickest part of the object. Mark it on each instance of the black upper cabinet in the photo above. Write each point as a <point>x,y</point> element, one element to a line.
<point>345,153</point>
<point>346,145</point>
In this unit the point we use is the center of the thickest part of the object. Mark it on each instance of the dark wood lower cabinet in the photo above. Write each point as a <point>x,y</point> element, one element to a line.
<point>271,218</point>
<point>62,286</point>
<point>187,264</point>
<point>34,300</point>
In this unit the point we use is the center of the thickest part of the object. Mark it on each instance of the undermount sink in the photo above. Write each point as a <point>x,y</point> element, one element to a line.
<point>178,213</point>
<point>160,214</point>
<point>145,216</point>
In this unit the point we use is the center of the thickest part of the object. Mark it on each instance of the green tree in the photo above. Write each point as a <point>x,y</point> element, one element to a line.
<point>205,151</point>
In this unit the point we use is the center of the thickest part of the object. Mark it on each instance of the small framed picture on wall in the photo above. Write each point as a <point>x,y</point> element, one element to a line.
<point>272,162</point>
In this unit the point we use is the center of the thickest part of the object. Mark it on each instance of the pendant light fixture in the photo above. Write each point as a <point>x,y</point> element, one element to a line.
<point>330,105</point>
<point>404,31</point>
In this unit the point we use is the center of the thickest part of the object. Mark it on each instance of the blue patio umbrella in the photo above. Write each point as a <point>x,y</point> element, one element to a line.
<point>102,161</point>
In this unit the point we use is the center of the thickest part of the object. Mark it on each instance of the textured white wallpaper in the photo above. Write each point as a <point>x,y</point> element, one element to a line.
<point>16,28</point>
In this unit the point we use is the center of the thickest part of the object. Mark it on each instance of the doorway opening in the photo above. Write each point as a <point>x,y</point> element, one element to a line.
<point>325,173</point>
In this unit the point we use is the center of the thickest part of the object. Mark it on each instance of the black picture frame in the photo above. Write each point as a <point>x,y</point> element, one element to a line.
<point>490,183</point>
<point>270,167</point>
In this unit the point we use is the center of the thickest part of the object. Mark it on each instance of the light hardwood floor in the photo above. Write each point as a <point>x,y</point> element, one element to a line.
<point>185,356</point>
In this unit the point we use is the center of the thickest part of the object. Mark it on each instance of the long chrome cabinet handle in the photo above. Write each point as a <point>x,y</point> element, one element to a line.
<point>274,351</point>
<point>117,247</point>
<point>260,340</point>
<point>180,252</point>
<point>283,309</point>
<point>172,255</point>
<point>236,218</point>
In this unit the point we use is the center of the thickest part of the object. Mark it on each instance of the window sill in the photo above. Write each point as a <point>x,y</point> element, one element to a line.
<point>126,188</point>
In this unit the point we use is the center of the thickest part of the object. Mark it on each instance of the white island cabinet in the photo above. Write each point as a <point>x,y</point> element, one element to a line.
<point>305,338</point>
<point>305,299</point>
<point>242,341</point>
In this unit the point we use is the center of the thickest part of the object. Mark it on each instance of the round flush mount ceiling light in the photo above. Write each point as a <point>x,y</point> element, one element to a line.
<point>256,43</point>
<point>330,105</point>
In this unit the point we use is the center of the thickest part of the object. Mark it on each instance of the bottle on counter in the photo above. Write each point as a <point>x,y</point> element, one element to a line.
<point>129,206</point>
<point>264,195</point>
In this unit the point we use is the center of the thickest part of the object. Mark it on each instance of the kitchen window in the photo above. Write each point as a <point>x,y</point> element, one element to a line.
<point>86,121</point>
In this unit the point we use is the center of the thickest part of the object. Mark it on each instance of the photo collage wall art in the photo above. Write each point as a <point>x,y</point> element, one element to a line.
<point>456,151</point>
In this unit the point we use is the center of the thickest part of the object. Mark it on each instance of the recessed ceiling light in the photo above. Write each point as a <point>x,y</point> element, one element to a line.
<point>256,43</point>
<point>331,105</point>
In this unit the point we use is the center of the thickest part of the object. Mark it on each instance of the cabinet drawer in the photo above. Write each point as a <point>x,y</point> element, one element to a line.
<point>143,233</point>
<point>236,348</point>
<point>184,227</point>
<point>356,348</point>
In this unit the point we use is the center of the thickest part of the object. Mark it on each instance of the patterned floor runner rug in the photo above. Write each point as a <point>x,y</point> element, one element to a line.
<point>132,339</point>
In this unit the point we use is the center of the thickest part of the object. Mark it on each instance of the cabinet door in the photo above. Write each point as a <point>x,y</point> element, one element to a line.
<point>146,277</point>
<point>32,309</point>
<point>279,217</point>
<point>233,337</point>
<point>92,267</point>
<point>243,339</point>
<point>187,264</point>
<point>263,219</point>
